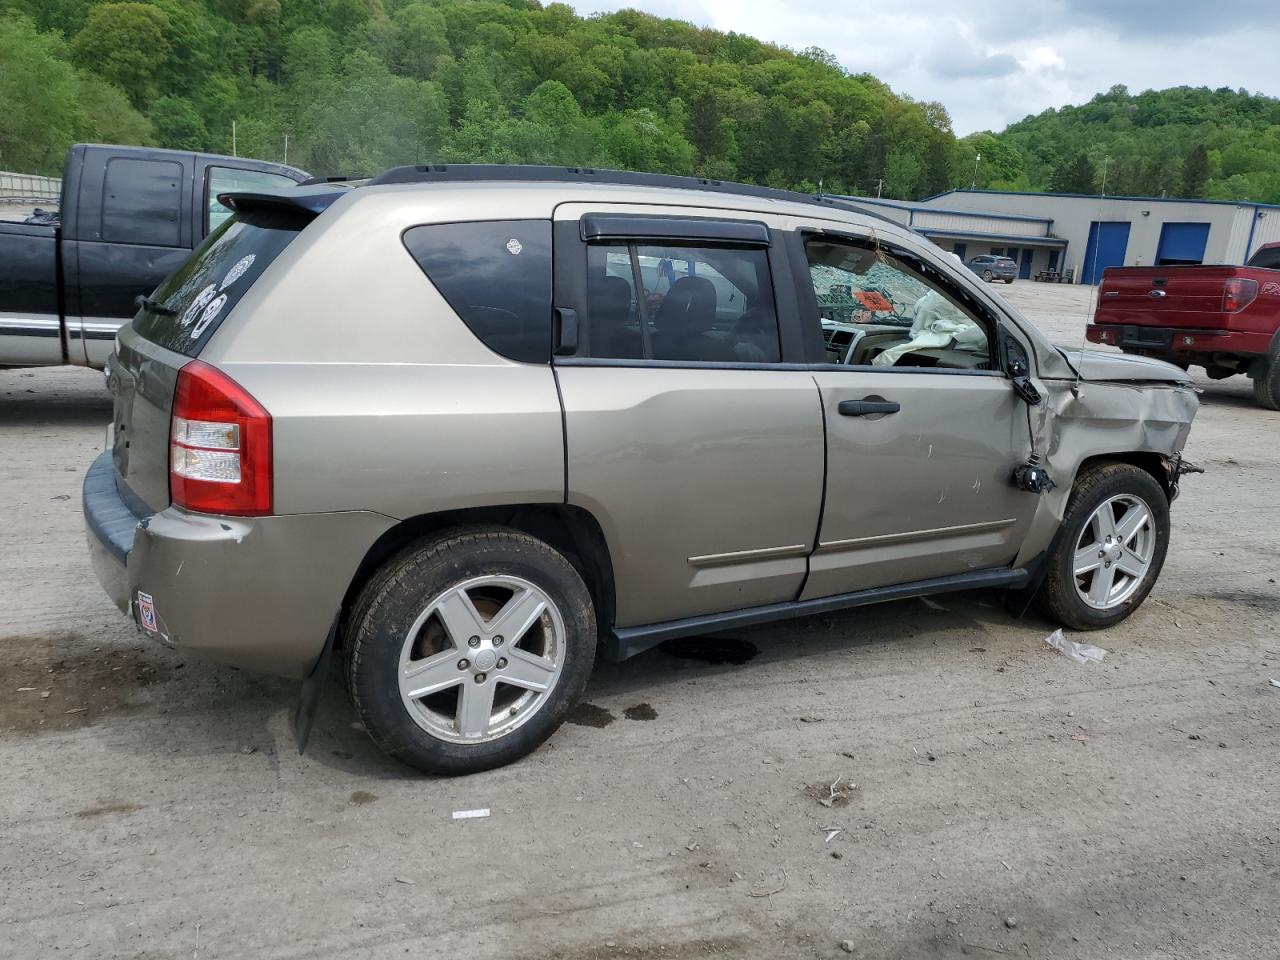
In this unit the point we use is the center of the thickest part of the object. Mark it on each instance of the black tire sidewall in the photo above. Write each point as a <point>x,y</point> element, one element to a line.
<point>392,602</point>
<point>1062,599</point>
<point>1266,388</point>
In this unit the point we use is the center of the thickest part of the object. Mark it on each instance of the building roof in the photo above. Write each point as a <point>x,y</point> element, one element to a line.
<point>1089,196</point>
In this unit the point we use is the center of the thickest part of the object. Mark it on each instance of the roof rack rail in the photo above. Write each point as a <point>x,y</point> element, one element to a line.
<point>479,172</point>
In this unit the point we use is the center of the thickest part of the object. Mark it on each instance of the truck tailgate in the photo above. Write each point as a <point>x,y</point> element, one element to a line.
<point>1186,297</point>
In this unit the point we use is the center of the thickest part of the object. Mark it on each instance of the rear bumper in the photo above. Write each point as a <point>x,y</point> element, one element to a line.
<point>1171,341</point>
<point>258,592</point>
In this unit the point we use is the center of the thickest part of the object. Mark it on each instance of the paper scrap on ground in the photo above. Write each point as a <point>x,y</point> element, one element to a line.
<point>1079,652</point>
<point>470,814</point>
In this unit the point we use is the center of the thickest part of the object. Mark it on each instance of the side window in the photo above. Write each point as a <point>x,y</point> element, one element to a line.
<point>496,275</point>
<point>711,303</point>
<point>226,179</point>
<point>884,309</point>
<point>142,202</point>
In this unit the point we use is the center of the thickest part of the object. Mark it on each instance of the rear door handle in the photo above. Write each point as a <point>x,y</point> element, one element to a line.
<point>871,406</point>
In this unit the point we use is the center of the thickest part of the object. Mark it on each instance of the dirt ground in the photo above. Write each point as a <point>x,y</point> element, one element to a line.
<point>922,779</point>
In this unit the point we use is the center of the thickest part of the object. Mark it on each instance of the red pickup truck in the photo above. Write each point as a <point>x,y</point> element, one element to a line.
<point>1225,319</point>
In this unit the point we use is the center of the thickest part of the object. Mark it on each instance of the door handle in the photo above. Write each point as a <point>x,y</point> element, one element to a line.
<point>871,406</point>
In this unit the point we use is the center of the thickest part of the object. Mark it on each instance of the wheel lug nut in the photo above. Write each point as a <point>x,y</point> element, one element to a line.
<point>473,642</point>
<point>497,641</point>
<point>464,663</point>
<point>480,678</point>
<point>1108,563</point>
<point>1102,553</point>
<point>502,662</point>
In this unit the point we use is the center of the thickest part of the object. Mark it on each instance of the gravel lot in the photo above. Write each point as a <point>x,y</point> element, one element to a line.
<point>993,798</point>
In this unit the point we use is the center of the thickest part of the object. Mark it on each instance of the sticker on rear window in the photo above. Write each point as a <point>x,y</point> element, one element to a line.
<point>237,271</point>
<point>514,247</point>
<point>146,612</point>
<point>210,314</point>
<point>199,303</point>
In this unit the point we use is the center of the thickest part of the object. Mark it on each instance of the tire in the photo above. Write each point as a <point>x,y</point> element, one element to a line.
<point>1122,486</point>
<point>471,578</point>
<point>1266,385</point>
<point>986,276</point>
<point>1010,280</point>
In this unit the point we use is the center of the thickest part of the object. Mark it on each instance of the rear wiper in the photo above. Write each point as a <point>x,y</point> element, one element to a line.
<point>155,306</point>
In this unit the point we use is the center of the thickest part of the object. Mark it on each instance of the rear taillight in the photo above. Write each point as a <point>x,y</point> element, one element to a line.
<point>1238,294</point>
<point>220,445</point>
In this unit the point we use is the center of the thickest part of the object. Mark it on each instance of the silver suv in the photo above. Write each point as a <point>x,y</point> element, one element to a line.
<point>471,426</point>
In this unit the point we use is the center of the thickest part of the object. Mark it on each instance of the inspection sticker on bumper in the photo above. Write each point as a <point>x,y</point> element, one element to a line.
<point>146,612</point>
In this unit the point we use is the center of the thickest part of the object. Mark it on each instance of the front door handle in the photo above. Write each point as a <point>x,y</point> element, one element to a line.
<point>870,406</point>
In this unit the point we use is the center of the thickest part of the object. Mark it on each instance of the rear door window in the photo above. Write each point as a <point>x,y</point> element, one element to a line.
<point>190,305</point>
<point>142,202</point>
<point>709,303</point>
<point>496,275</point>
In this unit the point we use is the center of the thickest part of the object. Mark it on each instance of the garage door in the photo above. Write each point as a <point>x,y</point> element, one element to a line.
<point>1182,244</point>
<point>1108,241</point>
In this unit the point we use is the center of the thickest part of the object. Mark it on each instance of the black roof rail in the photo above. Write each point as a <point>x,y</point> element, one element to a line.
<point>479,172</point>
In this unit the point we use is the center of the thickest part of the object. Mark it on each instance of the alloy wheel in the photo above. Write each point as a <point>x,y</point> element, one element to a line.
<point>481,659</point>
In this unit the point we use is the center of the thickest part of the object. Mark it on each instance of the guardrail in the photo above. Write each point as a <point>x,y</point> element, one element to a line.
<point>29,187</point>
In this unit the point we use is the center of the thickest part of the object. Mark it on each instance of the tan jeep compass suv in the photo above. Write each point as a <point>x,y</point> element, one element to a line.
<point>471,426</point>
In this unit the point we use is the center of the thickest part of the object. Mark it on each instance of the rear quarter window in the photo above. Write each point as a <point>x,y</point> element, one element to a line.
<point>496,275</point>
<point>191,304</point>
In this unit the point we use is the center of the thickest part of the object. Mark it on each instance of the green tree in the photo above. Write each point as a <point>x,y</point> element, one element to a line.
<point>1075,175</point>
<point>1195,171</point>
<point>41,115</point>
<point>109,116</point>
<point>421,40</point>
<point>178,124</point>
<point>125,43</point>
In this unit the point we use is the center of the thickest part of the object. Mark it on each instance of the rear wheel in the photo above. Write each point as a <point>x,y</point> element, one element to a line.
<point>1266,385</point>
<point>1114,538</point>
<point>467,651</point>
<point>1010,280</point>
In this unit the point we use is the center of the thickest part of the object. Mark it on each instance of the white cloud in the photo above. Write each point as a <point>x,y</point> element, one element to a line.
<point>993,65</point>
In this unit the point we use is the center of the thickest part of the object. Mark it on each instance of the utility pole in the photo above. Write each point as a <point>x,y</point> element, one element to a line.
<point>233,139</point>
<point>879,187</point>
<point>286,148</point>
<point>976,160</point>
<point>1105,161</point>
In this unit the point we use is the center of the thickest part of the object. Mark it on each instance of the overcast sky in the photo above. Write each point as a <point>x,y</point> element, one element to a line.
<point>992,62</point>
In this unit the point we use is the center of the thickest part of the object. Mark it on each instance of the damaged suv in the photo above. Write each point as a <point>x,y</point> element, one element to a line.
<point>470,427</point>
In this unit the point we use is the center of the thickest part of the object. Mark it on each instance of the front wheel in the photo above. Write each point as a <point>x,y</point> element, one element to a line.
<point>986,276</point>
<point>468,650</point>
<point>1114,538</point>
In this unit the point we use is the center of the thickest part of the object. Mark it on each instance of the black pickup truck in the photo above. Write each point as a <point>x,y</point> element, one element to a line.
<point>128,217</point>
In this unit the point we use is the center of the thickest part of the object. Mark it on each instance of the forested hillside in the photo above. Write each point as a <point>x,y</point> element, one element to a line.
<point>1183,142</point>
<point>356,86</point>
<point>359,85</point>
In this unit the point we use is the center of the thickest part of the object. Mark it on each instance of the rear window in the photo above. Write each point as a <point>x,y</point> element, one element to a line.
<point>496,275</point>
<point>1267,258</point>
<point>189,306</point>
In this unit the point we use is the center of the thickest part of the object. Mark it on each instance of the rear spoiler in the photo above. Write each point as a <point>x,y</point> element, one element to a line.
<point>309,201</point>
